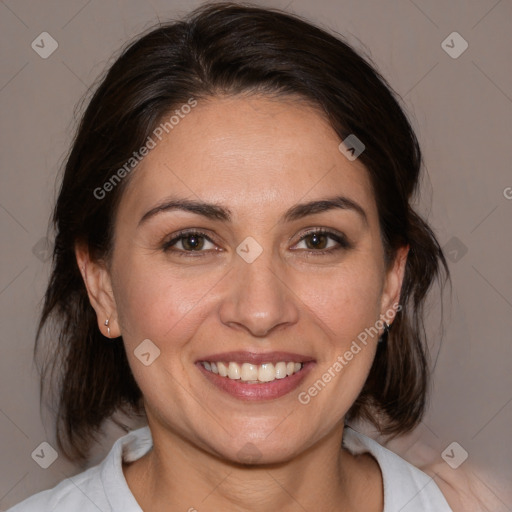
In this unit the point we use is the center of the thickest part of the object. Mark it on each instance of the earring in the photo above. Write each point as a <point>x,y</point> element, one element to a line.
<point>108,328</point>
<point>384,336</point>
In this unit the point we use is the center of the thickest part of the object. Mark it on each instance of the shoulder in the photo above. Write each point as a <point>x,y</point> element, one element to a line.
<point>81,492</point>
<point>406,488</point>
<point>102,487</point>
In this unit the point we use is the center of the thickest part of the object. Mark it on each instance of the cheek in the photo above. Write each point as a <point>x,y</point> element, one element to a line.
<point>345,306</point>
<point>159,302</point>
<point>155,300</point>
<point>346,300</point>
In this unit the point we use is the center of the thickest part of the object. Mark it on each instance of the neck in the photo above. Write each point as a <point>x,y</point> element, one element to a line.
<point>176,475</point>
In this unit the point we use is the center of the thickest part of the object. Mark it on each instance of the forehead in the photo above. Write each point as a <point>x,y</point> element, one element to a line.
<point>252,153</point>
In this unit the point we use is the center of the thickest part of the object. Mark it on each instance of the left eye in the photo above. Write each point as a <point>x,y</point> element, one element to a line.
<point>322,241</point>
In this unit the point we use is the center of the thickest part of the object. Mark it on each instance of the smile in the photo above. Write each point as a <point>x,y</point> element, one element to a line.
<point>253,373</point>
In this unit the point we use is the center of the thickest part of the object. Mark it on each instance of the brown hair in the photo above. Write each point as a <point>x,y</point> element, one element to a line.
<point>229,49</point>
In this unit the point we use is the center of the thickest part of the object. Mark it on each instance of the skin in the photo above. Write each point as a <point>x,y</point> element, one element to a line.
<point>257,157</point>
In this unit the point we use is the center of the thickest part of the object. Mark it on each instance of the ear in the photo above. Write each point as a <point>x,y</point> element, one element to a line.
<point>393,284</point>
<point>97,280</point>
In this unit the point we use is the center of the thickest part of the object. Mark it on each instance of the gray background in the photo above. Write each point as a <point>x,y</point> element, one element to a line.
<point>461,108</point>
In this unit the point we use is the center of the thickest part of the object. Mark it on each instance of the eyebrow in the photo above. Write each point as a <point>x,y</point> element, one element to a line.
<point>216,212</point>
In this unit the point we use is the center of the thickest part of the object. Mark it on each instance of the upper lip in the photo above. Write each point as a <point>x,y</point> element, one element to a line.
<point>256,357</point>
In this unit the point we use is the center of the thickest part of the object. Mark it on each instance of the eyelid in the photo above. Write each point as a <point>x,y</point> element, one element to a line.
<point>176,237</point>
<point>337,236</point>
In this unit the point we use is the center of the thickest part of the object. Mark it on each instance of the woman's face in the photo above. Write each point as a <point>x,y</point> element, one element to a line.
<point>256,175</point>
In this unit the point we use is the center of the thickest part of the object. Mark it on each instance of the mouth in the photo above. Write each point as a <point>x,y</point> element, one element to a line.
<point>256,376</point>
<point>253,373</point>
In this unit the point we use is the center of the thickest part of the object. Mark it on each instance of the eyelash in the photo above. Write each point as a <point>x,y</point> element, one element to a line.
<point>337,237</point>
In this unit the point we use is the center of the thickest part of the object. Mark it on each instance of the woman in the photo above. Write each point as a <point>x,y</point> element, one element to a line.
<point>237,260</point>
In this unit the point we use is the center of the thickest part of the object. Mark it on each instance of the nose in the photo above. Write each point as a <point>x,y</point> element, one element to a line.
<point>259,300</point>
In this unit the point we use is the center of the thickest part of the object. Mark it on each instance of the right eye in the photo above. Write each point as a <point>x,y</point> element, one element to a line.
<point>189,242</point>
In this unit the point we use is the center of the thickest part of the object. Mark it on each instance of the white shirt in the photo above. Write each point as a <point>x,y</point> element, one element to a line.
<point>104,488</point>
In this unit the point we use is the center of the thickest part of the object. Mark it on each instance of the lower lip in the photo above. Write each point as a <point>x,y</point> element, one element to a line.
<point>263,391</point>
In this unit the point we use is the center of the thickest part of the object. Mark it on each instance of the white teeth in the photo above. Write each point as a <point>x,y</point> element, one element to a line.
<point>253,373</point>
<point>249,372</point>
<point>223,369</point>
<point>280,370</point>
<point>267,372</point>
<point>234,371</point>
